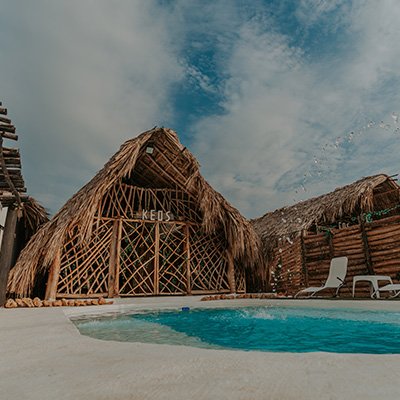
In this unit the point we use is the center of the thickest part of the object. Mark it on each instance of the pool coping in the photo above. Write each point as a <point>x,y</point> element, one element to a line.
<point>124,305</point>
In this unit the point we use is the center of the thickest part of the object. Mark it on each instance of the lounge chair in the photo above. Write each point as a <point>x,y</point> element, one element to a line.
<point>393,287</point>
<point>337,274</point>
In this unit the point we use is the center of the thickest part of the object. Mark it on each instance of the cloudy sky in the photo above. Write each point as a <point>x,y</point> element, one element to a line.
<point>279,100</point>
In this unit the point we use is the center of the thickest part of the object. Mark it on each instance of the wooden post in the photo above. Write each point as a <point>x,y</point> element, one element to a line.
<point>303,259</point>
<point>331,248</point>
<point>187,251</point>
<point>231,272</point>
<point>367,254</point>
<point>6,252</point>
<point>118,259</point>
<point>157,259</point>
<point>113,277</point>
<point>54,274</point>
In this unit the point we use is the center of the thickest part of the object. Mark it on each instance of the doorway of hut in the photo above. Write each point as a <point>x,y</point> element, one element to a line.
<point>154,258</point>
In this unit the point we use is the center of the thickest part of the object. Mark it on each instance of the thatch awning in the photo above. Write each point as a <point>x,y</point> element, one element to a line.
<point>365,195</point>
<point>130,161</point>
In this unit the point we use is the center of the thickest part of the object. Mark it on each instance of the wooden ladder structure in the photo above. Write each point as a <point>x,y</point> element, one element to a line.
<point>12,194</point>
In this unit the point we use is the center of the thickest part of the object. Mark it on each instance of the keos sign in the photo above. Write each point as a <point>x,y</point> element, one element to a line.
<point>154,215</point>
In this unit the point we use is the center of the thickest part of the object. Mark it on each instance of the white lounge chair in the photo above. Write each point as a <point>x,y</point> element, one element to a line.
<point>393,287</point>
<point>337,274</point>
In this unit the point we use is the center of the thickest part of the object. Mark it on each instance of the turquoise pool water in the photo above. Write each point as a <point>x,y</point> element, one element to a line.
<point>273,329</point>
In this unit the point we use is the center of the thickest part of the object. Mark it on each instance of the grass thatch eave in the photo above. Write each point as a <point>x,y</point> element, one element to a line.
<point>365,195</point>
<point>79,212</point>
<point>34,215</point>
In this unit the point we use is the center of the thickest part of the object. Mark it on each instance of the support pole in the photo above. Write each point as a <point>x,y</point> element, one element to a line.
<point>303,259</point>
<point>157,260</point>
<point>331,248</point>
<point>187,251</point>
<point>6,252</point>
<point>367,254</point>
<point>231,272</point>
<point>113,277</point>
<point>54,274</point>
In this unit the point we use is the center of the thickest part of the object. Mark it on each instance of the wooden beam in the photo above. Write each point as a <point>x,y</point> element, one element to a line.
<point>8,135</point>
<point>10,152</point>
<point>6,187</point>
<point>114,260</point>
<point>164,222</point>
<point>231,272</point>
<point>118,259</point>
<point>7,246</point>
<point>210,291</point>
<point>14,172</point>
<point>6,198</point>
<point>330,242</point>
<point>54,274</point>
<point>16,182</point>
<point>163,172</point>
<point>5,120</point>
<point>80,296</point>
<point>367,253</point>
<point>171,164</point>
<point>187,251</point>
<point>303,259</point>
<point>157,259</point>
<point>18,186</point>
<point>12,163</point>
<point>7,128</point>
<point>6,174</point>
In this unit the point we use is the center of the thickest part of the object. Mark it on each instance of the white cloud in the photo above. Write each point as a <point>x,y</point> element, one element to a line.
<point>285,133</point>
<point>81,77</point>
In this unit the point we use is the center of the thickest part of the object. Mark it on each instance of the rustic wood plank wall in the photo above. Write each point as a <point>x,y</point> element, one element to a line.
<point>286,268</point>
<point>370,247</point>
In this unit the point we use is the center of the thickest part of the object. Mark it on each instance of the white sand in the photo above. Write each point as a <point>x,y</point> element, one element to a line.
<point>43,356</point>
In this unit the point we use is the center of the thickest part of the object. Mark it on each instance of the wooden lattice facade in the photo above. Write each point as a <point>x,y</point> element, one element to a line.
<point>133,257</point>
<point>147,224</point>
<point>144,241</point>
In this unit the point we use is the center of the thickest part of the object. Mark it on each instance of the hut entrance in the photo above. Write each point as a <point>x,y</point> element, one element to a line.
<point>154,258</point>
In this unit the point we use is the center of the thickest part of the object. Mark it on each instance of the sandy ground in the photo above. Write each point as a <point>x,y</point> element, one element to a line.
<point>43,356</point>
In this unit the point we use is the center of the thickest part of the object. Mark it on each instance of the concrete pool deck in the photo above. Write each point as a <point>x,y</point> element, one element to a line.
<point>43,356</point>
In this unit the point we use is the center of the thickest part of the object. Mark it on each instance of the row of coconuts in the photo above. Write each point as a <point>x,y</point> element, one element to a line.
<point>36,302</point>
<point>240,296</point>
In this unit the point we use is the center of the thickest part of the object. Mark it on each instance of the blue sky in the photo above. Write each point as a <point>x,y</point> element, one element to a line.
<point>279,100</point>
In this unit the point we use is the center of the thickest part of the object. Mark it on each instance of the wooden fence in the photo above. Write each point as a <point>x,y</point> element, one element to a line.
<point>372,249</point>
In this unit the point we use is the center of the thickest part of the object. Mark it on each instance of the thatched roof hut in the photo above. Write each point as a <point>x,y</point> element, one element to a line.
<point>149,208</point>
<point>360,221</point>
<point>376,192</point>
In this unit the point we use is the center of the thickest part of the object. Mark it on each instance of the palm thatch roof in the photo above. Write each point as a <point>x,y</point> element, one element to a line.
<point>365,195</point>
<point>173,166</point>
<point>34,215</point>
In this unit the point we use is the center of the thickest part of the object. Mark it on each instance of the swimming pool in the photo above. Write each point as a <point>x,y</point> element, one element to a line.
<point>272,329</point>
